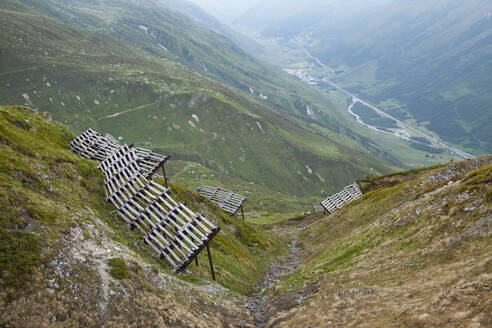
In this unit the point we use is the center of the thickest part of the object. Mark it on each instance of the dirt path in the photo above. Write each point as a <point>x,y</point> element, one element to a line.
<point>126,111</point>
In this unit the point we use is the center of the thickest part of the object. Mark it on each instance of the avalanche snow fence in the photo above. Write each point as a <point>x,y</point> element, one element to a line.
<point>170,228</point>
<point>227,200</point>
<point>93,145</point>
<point>335,202</point>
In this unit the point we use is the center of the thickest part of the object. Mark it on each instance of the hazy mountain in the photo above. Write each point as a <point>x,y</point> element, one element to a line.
<point>225,10</point>
<point>432,59</point>
<point>292,16</point>
<point>200,17</point>
<point>270,13</point>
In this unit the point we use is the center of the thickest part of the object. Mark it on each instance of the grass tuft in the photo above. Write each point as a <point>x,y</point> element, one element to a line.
<point>119,269</point>
<point>19,256</point>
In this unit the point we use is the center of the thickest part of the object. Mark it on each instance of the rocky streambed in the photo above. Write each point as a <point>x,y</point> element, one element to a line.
<point>262,307</point>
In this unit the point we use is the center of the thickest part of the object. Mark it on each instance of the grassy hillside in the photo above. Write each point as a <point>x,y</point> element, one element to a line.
<point>411,253</point>
<point>263,206</point>
<point>86,78</point>
<point>67,259</point>
<point>161,32</point>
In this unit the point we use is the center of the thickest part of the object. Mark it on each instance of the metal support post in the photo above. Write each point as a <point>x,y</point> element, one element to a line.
<point>210,262</point>
<point>164,173</point>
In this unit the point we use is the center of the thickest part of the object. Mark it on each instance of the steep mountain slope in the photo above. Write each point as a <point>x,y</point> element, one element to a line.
<point>426,62</point>
<point>200,17</point>
<point>416,253</point>
<point>413,252</point>
<point>90,79</point>
<point>66,259</point>
<point>165,33</point>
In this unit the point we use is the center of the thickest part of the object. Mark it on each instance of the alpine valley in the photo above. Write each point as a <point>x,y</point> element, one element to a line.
<point>151,77</point>
<point>350,128</point>
<point>423,62</point>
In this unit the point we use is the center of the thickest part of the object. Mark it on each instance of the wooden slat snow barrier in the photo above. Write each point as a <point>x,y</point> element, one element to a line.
<point>317,207</point>
<point>93,145</point>
<point>171,229</point>
<point>337,201</point>
<point>225,199</point>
